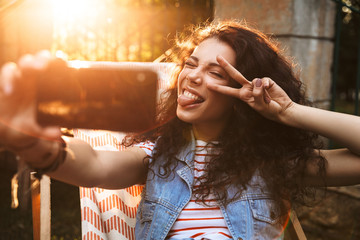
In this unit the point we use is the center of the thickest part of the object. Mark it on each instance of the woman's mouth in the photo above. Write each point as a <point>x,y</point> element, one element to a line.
<point>188,98</point>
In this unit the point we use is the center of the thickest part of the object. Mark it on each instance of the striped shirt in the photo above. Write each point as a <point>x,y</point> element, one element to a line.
<point>197,220</point>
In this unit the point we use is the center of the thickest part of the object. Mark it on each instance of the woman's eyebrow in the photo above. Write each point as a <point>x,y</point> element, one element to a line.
<point>211,64</point>
<point>194,58</point>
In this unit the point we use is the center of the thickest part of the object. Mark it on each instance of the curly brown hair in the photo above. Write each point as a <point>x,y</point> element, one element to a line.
<point>279,153</point>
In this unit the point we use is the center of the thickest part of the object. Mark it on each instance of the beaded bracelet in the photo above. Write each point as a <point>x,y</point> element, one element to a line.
<point>60,158</point>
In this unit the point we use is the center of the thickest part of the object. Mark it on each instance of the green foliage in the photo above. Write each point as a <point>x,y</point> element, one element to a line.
<point>349,48</point>
<point>128,30</point>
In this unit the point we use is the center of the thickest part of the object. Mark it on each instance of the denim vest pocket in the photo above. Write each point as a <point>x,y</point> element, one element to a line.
<point>266,223</point>
<point>146,211</point>
<point>263,210</point>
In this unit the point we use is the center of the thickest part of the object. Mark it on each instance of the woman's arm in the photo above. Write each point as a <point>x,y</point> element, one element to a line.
<point>42,148</point>
<point>343,167</point>
<point>86,167</point>
<point>271,101</point>
<point>342,128</point>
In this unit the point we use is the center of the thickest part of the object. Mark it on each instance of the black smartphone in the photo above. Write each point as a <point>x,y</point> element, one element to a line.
<point>97,95</point>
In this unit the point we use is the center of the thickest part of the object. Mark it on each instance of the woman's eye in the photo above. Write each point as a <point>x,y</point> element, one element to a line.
<point>217,74</point>
<point>190,64</point>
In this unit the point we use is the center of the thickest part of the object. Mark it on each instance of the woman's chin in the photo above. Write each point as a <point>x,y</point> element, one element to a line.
<point>186,116</point>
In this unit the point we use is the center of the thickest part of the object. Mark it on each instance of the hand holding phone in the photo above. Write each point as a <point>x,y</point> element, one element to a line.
<point>97,95</point>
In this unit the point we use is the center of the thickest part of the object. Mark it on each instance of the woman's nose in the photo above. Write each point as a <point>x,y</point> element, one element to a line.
<point>195,77</point>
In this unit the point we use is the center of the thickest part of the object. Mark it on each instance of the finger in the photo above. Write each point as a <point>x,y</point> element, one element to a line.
<point>27,66</point>
<point>9,72</point>
<point>259,92</point>
<point>44,54</point>
<point>233,92</point>
<point>31,67</point>
<point>51,133</point>
<point>35,62</point>
<point>48,133</point>
<point>26,61</point>
<point>267,97</point>
<point>42,59</point>
<point>267,82</point>
<point>28,71</point>
<point>233,73</point>
<point>31,128</point>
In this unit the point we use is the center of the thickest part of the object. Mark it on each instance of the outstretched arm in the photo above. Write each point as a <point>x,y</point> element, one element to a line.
<point>343,164</point>
<point>266,97</point>
<point>41,146</point>
<point>105,169</point>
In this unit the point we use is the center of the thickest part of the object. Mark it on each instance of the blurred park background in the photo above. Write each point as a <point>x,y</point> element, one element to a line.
<point>321,36</point>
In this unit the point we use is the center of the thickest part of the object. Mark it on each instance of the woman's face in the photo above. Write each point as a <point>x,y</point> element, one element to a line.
<point>196,103</point>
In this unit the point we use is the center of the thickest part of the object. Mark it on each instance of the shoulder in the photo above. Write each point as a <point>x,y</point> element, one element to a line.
<point>147,146</point>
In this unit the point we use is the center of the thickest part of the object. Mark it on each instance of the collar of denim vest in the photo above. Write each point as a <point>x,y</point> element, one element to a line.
<point>256,186</point>
<point>186,154</point>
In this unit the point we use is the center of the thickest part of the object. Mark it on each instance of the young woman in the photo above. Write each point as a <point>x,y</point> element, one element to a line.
<point>237,147</point>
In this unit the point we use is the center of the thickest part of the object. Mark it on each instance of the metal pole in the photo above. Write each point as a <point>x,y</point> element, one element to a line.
<point>357,92</point>
<point>338,24</point>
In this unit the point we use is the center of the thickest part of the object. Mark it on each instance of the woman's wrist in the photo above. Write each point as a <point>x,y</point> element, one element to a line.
<point>288,115</point>
<point>56,162</point>
<point>44,156</point>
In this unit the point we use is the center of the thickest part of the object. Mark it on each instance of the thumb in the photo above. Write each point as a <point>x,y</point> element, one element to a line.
<point>49,133</point>
<point>52,132</point>
<point>259,91</point>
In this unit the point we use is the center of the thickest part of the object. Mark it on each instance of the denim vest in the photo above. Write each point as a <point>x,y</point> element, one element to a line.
<point>249,217</point>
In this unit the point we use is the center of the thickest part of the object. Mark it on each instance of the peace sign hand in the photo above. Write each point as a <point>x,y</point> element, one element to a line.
<point>263,95</point>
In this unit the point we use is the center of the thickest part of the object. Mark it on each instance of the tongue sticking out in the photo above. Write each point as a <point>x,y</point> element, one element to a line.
<point>184,100</point>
